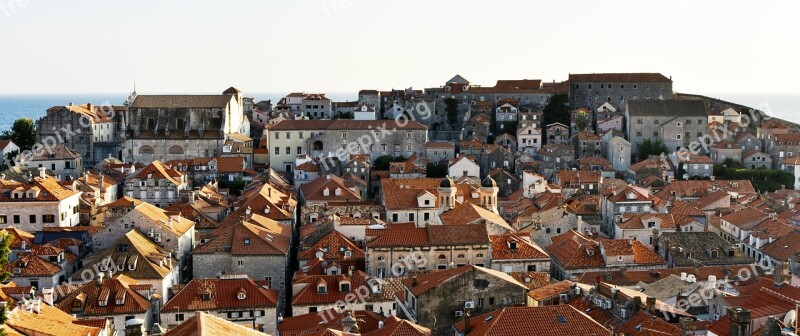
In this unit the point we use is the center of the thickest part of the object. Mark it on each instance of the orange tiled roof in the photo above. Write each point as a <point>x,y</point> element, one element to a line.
<point>333,245</point>
<point>224,295</point>
<point>548,320</point>
<point>210,325</point>
<point>524,249</point>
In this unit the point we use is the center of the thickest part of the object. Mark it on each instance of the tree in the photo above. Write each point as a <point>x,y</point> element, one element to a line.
<point>556,111</point>
<point>382,162</point>
<point>5,252</point>
<point>581,120</point>
<point>651,147</point>
<point>436,170</point>
<point>22,133</point>
<point>9,158</point>
<point>345,115</point>
<point>451,106</point>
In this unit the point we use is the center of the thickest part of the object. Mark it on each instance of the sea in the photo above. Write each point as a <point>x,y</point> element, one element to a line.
<point>34,106</point>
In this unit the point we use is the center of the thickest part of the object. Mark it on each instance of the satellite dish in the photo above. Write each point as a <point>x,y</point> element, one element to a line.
<point>790,319</point>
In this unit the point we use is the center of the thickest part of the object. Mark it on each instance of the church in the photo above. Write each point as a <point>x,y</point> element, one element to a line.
<point>172,127</point>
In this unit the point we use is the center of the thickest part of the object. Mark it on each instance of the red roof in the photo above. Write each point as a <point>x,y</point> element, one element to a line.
<point>224,295</point>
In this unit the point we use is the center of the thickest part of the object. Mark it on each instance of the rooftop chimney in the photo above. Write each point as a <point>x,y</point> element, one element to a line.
<point>42,172</point>
<point>100,277</point>
<point>740,321</point>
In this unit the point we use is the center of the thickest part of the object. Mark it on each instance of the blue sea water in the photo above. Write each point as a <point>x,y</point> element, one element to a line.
<point>12,107</point>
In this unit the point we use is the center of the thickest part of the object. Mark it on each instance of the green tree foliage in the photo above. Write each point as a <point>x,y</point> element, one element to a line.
<point>436,170</point>
<point>651,147</point>
<point>764,180</point>
<point>22,133</point>
<point>451,106</point>
<point>382,162</point>
<point>581,120</point>
<point>557,110</point>
<point>9,158</point>
<point>345,115</point>
<point>5,252</point>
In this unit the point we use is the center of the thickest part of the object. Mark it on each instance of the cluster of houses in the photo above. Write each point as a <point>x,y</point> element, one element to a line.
<point>455,210</point>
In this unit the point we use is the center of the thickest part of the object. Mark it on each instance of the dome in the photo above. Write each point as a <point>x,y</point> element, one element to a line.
<point>488,182</point>
<point>447,182</point>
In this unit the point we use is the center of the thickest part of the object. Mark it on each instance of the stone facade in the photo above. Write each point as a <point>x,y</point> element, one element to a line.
<point>171,127</point>
<point>487,290</point>
<point>590,90</point>
<point>618,152</point>
<point>675,122</point>
<point>90,130</point>
<point>338,138</point>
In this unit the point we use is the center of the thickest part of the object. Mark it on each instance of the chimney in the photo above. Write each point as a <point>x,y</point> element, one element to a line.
<point>350,271</point>
<point>47,294</point>
<point>651,305</point>
<point>414,281</point>
<point>349,322</point>
<point>778,276</point>
<point>102,180</point>
<point>42,172</point>
<point>135,327</point>
<point>740,321</point>
<point>100,277</point>
<point>466,323</point>
<point>687,326</point>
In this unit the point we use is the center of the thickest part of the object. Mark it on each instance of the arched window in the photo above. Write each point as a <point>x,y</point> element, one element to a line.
<point>176,150</point>
<point>145,150</point>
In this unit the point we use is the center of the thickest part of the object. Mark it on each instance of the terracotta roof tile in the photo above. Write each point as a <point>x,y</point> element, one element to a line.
<point>512,246</point>
<point>224,295</point>
<point>548,320</point>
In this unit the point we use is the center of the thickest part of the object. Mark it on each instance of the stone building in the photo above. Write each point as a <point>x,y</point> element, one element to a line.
<point>675,122</point>
<point>590,90</point>
<point>61,160</point>
<point>157,183</point>
<point>38,202</point>
<point>234,298</point>
<point>437,247</point>
<point>167,230</point>
<point>587,144</point>
<point>169,127</point>
<point>529,139</point>
<point>256,246</point>
<point>557,133</point>
<point>574,254</point>
<point>328,139</point>
<point>89,129</point>
<point>513,252</point>
<point>439,151</point>
<point>434,299</point>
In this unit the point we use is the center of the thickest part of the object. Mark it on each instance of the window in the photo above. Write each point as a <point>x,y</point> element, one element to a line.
<point>679,124</point>
<point>395,217</point>
<point>3,219</point>
<point>288,150</point>
<point>16,219</point>
<point>678,136</point>
<point>178,317</point>
<point>411,217</point>
<point>344,135</point>
<point>32,219</point>
<point>241,295</point>
<point>277,151</point>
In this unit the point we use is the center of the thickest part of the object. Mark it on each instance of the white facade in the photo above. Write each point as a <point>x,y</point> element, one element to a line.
<point>464,167</point>
<point>529,139</point>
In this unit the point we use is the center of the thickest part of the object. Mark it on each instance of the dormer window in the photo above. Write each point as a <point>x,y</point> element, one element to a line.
<point>326,192</point>
<point>631,196</point>
<point>247,241</point>
<point>322,289</point>
<point>121,299</point>
<point>241,295</point>
<point>348,254</point>
<point>206,296</point>
<point>338,192</point>
<point>344,286</point>
<point>320,254</point>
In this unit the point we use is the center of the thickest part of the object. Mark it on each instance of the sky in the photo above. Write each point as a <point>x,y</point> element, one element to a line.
<point>93,46</point>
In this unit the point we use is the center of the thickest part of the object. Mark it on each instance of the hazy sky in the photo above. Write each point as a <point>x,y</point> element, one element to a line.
<point>93,46</point>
